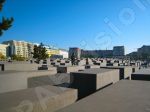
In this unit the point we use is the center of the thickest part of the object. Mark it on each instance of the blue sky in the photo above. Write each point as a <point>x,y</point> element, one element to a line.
<point>88,24</point>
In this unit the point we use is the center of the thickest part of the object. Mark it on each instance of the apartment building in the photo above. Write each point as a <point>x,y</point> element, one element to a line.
<point>20,48</point>
<point>76,51</point>
<point>118,51</point>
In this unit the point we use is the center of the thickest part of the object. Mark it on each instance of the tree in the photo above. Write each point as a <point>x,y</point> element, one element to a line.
<point>73,59</point>
<point>40,52</point>
<point>2,56</point>
<point>6,23</point>
<point>18,58</point>
<point>145,56</point>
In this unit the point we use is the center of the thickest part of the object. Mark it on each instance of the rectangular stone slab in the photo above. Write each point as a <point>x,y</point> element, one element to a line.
<point>143,74</point>
<point>90,80</point>
<point>16,80</point>
<point>112,64</point>
<point>125,71</point>
<point>91,66</point>
<point>124,96</point>
<point>56,79</point>
<point>39,99</point>
<point>68,69</point>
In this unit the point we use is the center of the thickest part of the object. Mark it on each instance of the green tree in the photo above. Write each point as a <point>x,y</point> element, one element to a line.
<point>73,59</point>
<point>40,52</point>
<point>145,56</point>
<point>2,56</point>
<point>18,58</point>
<point>6,23</point>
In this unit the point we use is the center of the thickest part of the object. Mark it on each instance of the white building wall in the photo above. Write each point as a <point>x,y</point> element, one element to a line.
<point>64,53</point>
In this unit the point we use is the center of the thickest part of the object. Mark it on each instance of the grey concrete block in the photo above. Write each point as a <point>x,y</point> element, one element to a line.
<point>91,66</point>
<point>56,79</point>
<point>12,82</point>
<point>124,71</point>
<point>112,64</point>
<point>21,67</point>
<point>39,99</point>
<point>68,69</point>
<point>90,80</point>
<point>143,74</point>
<point>16,80</point>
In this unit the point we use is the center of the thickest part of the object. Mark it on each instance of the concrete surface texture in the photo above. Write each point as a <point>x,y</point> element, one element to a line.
<point>40,99</point>
<point>125,71</point>
<point>91,66</point>
<point>68,69</point>
<point>90,80</point>
<point>142,74</point>
<point>124,96</point>
<point>21,66</point>
<point>16,80</point>
<point>12,81</point>
<point>49,80</point>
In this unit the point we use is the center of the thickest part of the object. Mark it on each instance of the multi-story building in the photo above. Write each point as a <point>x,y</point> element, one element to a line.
<point>57,52</point>
<point>51,52</point>
<point>64,53</point>
<point>144,49</point>
<point>4,49</point>
<point>97,53</point>
<point>76,51</point>
<point>20,48</point>
<point>118,51</point>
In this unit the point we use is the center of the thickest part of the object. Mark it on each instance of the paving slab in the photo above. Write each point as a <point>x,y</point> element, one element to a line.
<point>124,96</point>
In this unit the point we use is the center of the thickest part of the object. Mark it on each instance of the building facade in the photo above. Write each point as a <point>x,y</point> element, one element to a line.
<point>144,49</point>
<point>21,48</point>
<point>64,53</point>
<point>51,52</point>
<point>76,51</point>
<point>118,51</point>
<point>97,53</point>
<point>4,49</point>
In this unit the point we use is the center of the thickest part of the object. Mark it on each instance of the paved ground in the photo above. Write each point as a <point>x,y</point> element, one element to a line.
<point>124,96</point>
<point>8,72</point>
<point>33,99</point>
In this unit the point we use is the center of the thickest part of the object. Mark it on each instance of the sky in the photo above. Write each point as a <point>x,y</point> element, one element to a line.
<point>87,24</point>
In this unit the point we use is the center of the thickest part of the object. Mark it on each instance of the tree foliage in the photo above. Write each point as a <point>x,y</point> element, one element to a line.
<point>73,58</point>
<point>145,56</point>
<point>6,23</point>
<point>2,56</point>
<point>40,52</point>
<point>18,58</point>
